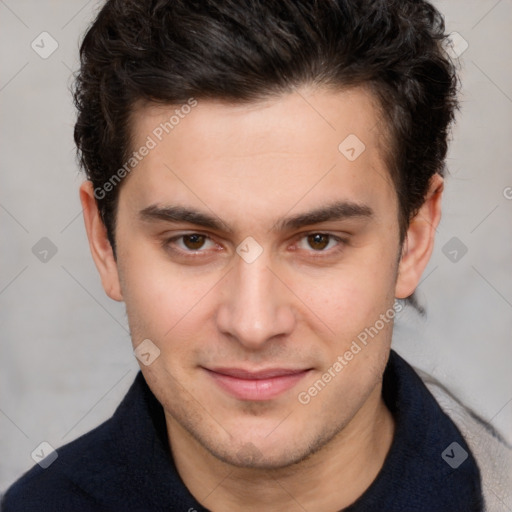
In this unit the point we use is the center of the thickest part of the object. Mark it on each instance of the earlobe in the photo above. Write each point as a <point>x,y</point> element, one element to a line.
<point>419,241</point>
<point>99,243</point>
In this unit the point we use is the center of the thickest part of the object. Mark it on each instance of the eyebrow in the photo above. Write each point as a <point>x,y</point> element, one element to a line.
<point>336,211</point>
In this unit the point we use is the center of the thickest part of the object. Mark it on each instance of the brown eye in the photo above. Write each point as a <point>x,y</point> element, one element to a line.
<point>318,241</point>
<point>193,245</point>
<point>193,242</point>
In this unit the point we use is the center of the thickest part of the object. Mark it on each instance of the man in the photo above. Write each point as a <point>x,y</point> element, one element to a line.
<point>264,185</point>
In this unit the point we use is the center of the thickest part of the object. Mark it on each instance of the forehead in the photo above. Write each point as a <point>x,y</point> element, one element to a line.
<point>304,112</point>
<point>304,147</point>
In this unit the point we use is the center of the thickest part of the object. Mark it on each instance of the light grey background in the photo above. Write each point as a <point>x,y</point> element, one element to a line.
<point>66,358</point>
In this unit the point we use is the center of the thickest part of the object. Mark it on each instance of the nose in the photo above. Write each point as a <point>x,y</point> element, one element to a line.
<point>256,305</point>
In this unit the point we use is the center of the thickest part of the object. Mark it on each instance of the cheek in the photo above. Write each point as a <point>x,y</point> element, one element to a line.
<point>160,300</point>
<point>350,298</point>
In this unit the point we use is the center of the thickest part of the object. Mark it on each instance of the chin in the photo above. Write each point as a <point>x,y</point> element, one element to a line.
<point>283,451</point>
<point>249,456</point>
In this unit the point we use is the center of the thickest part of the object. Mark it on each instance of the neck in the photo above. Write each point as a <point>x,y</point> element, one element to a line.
<point>330,479</point>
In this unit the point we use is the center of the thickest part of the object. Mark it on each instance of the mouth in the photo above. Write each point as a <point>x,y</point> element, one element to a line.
<point>256,385</point>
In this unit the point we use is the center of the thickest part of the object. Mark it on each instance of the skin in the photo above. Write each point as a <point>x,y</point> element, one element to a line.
<point>299,305</point>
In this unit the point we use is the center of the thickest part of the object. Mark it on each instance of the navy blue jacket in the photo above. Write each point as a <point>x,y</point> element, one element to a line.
<point>125,464</point>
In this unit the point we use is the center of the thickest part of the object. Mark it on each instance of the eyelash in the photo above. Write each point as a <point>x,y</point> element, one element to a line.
<point>341,242</point>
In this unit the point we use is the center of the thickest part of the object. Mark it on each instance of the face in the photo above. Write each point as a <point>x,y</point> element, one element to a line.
<point>254,249</point>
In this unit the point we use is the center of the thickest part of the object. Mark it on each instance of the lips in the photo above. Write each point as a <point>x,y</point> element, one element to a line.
<point>256,385</point>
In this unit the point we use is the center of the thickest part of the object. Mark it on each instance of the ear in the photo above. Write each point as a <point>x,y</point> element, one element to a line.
<point>99,243</point>
<point>419,240</point>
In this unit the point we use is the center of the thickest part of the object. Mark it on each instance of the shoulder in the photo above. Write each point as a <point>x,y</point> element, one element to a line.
<point>491,451</point>
<point>86,470</point>
<point>61,484</point>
